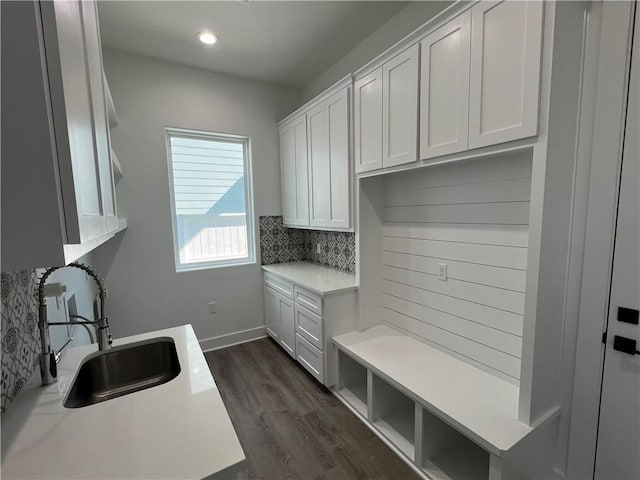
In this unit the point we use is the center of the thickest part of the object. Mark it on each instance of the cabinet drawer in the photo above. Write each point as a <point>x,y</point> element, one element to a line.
<point>280,285</point>
<point>310,358</point>
<point>309,326</point>
<point>310,301</point>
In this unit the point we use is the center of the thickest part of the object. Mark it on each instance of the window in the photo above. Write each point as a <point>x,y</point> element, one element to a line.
<point>211,199</point>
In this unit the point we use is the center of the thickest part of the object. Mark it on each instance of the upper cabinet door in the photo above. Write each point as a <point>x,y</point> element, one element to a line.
<point>505,69</point>
<point>444,88</point>
<point>368,121</point>
<point>73,119</point>
<point>100,120</point>
<point>338,128</point>
<point>295,188</point>
<point>319,167</point>
<point>400,108</point>
<point>328,128</point>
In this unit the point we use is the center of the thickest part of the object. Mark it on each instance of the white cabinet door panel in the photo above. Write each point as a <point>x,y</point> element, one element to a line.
<point>400,108</point>
<point>328,137</point>
<point>100,121</point>
<point>287,328</point>
<point>301,173</point>
<point>339,147</point>
<point>444,88</point>
<point>319,167</point>
<point>368,121</point>
<point>72,116</point>
<point>288,168</point>
<point>505,69</point>
<point>271,312</point>
<point>294,174</point>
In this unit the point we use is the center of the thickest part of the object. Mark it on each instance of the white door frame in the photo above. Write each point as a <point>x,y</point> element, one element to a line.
<point>606,155</point>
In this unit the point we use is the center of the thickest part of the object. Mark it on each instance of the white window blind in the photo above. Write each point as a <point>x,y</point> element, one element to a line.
<point>211,199</point>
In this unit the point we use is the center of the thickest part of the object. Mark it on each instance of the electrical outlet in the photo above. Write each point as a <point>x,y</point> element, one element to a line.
<point>442,272</point>
<point>212,308</point>
<point>318,248</point>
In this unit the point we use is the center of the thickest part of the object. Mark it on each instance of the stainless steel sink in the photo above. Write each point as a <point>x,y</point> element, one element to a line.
<point>123,370</point>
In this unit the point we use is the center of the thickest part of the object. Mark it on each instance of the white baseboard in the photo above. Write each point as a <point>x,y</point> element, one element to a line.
<point>222,341</point>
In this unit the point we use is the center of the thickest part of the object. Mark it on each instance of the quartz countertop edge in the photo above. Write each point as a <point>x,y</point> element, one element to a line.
<point>180,429</point>
<point>317,278</point>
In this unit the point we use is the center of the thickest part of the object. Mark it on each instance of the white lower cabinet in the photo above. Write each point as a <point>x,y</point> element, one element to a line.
<point>310,358</point>
<point>309,326</point>
<point>279,315</point>
<point>303,322</point>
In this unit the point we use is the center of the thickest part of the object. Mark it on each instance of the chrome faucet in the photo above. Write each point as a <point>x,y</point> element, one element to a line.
<point>48,360</point>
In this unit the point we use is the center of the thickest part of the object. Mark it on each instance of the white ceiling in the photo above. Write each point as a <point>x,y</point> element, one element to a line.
<point>289,43</point>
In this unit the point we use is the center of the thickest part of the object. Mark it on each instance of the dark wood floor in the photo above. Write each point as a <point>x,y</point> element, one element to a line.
<point>292,427</point>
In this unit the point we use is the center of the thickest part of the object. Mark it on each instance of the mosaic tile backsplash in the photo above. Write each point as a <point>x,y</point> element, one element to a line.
<point>279,244</point>
<point>20,336</point>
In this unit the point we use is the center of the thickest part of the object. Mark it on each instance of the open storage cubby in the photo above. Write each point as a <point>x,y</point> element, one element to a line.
<point>447,454</point>
<point>353,383</point>
<point>394,415</point>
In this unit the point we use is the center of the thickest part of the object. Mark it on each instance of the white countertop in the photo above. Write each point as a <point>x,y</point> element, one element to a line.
<point>320,279</point>
<point>177,430</point>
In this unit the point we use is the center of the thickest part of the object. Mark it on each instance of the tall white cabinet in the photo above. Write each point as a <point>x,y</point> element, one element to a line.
<point>315,156</point>
<point>55,138</point>
<point>328,135</point>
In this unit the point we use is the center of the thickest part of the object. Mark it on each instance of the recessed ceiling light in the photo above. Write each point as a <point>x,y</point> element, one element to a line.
<point>207,38</point>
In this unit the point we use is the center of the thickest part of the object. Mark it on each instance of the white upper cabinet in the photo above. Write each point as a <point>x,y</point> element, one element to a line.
<point>505,71</point>
<point>100,116</point>
<point>293,164</point>
<point>368,121</point>
<point>57,144</point>
<point>328,137</point>
<point>72,109</point>
<point>400,108</point>
<point>444,88</point>
<point>315,159</point>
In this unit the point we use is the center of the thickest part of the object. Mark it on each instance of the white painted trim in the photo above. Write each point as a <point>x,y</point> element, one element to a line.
<point>610,105</point>
<point>230,339</point>
<point>251,220</point>
<point>449,13</point>
<point>345,81</point>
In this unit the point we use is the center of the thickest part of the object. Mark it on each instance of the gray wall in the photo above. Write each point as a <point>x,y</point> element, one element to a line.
<point>146,293</point>
<point>400,25</point>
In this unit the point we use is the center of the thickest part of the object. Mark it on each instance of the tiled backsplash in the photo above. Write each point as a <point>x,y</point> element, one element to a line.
<point>20,336</point>
<point>279,244</point>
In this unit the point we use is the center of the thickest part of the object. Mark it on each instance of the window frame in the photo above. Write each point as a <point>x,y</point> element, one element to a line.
<point>248,193</point>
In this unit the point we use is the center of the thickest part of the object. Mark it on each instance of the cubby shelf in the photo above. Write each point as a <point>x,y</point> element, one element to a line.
<point>449,420</point>
<point>353,383</point>
<point>394,415</point>
<point>448,455</point>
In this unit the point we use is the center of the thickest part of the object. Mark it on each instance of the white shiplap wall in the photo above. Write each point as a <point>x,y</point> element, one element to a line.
<point>472,216</point>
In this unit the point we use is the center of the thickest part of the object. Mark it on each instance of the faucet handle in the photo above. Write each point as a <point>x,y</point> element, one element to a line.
<point>53,365</point>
